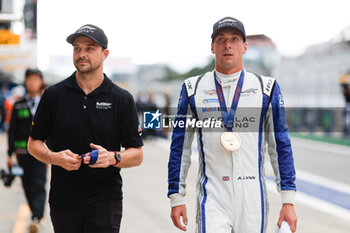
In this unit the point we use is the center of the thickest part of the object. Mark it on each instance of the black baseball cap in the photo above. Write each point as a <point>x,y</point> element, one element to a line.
<point>35,71</point>
<point>93,32</point>
<point>228,22</point>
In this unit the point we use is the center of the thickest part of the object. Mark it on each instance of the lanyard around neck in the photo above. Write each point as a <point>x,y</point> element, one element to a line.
<point>229,117</point>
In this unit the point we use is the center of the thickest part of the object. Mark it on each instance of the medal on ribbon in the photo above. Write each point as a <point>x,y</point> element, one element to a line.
<point>230,140</point>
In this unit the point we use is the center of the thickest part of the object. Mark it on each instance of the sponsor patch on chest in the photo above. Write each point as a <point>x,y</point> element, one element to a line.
<point>103,105</point>
<point>246,178</point>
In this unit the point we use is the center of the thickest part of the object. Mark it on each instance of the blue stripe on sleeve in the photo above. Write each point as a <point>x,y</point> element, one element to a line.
<point>284,149</point>
<point>174,165</point>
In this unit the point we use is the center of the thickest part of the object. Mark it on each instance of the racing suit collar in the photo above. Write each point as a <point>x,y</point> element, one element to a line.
<point>227,79</point>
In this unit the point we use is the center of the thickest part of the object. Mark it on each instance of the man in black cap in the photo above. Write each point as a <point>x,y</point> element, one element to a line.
<point>34,171</point>
<point>80,126</point>
<point>231,191</point>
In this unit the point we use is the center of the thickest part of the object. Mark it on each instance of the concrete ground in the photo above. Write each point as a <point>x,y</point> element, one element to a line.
<point>146,207</point>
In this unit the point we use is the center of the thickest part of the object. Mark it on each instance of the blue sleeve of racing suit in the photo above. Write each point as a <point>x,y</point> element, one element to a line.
<point>279,147</point>
<point>179,160</point>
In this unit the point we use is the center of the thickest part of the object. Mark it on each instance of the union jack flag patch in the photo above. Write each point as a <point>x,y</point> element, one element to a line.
<point>225,178</point>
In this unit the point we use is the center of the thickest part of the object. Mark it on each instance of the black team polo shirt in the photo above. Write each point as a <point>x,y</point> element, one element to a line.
<point>67,118</point>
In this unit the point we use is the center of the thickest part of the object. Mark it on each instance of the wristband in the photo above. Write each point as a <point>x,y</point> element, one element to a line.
<point>93,156</point>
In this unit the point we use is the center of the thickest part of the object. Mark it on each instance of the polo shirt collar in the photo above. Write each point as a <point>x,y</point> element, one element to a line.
<point>104,87</point>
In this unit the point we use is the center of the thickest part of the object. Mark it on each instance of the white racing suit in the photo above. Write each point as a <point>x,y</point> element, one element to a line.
<point>231,192</point>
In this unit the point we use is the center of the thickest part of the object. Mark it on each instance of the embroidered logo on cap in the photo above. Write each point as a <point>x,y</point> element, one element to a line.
<point>228,20</point>
<point>86,29</point>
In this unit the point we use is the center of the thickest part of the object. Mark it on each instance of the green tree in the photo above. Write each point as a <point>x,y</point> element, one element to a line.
<point>171,74</point>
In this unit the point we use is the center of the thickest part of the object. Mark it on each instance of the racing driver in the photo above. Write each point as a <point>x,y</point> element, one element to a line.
<point>231,192</point>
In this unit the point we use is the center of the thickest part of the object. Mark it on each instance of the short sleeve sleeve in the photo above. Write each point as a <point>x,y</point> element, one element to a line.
<point>131,130</point>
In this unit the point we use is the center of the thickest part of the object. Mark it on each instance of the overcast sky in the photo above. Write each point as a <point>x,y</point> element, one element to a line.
<point>178,32</point>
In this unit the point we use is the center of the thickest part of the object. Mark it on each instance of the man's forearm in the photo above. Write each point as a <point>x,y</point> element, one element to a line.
<point>131,157</point>
<point>39,150</point>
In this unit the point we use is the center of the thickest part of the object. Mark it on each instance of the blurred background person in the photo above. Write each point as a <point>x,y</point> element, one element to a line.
<point>145,103</point>
<point>34,171</point>
<point>16,94</point>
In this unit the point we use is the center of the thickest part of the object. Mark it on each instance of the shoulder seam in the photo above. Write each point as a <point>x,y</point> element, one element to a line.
<point>198,78</point>
<point>260,80</point>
